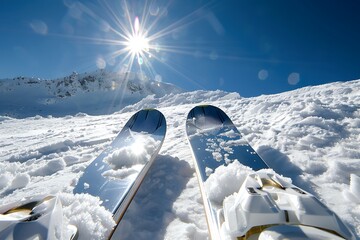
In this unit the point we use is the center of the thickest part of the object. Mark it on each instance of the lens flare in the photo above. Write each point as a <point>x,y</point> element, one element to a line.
<point>137,43</point>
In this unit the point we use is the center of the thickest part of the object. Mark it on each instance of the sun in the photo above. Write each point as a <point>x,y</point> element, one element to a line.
<point>137,43</point>
<point>142,42</point>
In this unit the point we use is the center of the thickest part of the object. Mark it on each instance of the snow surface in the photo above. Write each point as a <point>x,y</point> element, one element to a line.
<point>311,135</point>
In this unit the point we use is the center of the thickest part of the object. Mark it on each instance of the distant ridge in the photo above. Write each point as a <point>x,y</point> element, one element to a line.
<point>98,92</point>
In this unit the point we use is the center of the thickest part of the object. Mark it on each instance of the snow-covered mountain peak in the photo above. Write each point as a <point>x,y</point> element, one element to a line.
<point>111,81</point>
<point>94,93</point>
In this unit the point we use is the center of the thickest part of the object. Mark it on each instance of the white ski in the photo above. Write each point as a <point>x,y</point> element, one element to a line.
<point>114,176</point>
<point>266,207</point>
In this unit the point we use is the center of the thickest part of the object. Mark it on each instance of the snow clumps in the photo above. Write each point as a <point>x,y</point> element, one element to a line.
<point>225,181</point>
<point>85,212</point>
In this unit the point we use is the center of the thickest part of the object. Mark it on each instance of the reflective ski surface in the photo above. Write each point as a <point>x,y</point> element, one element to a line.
<point>116,174</point>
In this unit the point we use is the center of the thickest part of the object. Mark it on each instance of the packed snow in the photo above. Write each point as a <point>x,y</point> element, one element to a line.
<point>311,135</point>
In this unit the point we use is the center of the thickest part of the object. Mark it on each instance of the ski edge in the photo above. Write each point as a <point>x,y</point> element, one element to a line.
<point>121,211</point>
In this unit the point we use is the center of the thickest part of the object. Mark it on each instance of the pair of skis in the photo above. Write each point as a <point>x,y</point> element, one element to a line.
<point>265,207</point>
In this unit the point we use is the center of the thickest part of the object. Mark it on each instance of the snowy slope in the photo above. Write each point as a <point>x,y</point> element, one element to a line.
<point>311,135</point>
<point>98,92</point>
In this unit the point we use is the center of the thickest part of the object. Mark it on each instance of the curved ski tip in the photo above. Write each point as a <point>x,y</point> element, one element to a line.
<point>147,120</point>
<point>205,110</point>
<point>149,111</point>
<point>207,116</point>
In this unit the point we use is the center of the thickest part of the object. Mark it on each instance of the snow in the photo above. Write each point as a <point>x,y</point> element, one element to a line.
<point>84,211</point>
<point>99,92</point>
<point>353,194</point>
<point>225,181</point>
<point>311,135</point>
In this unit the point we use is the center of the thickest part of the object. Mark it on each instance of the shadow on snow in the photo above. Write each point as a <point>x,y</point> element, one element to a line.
<point>151,208</point>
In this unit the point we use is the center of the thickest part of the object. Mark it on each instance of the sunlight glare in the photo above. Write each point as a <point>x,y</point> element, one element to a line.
<point>137,42</point>
<point>144,39</point>
<point>137,148</point>
<point>136,25</point>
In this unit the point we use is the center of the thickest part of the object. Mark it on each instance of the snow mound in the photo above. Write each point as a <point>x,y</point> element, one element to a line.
<point>19,181</point>
<point>181,99</point>
<point>51,167</point>
<point>84,212</point>
<point>225,181</point>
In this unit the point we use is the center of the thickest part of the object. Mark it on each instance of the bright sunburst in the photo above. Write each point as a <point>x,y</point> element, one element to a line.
<point>137,43</point>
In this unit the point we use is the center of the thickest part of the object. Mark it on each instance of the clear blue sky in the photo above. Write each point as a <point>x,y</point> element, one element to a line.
<point>253,47</point>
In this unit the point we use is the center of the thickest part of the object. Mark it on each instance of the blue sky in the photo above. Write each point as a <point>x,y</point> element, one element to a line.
<point>252,47</point>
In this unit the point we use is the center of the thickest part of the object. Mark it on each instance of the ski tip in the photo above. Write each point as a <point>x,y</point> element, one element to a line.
<point>207,110</point>
<point>206,117</point>
<point>147,120</point>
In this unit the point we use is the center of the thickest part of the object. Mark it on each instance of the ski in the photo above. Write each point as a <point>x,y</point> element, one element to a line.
<point>114,177</point>
<point>38,217</point>
<point>266,205</point>
<point>116,174</point>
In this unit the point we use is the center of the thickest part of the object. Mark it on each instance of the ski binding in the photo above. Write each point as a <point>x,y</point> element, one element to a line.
<point>267,207</point>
